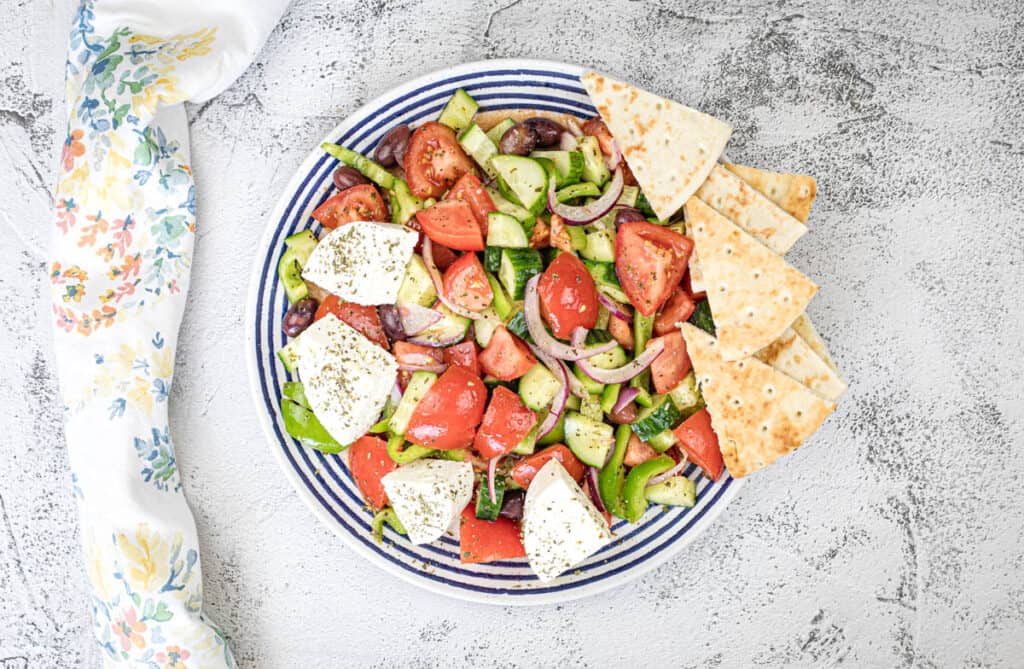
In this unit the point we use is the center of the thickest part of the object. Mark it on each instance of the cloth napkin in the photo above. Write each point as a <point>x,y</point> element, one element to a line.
<point>121,252</point>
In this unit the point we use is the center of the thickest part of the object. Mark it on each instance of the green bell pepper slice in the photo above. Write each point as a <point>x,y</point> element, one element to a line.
<point>613,475</point>
<point>404,456</point>
<point>385,515</point>
<point>294,391</point>
<point>636,483</point>
<point>643,328</point>
<point>302,424</point>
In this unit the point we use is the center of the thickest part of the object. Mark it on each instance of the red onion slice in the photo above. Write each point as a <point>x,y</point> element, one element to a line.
<point>567,142</point>
<point>559,369</point>
<point>435,277</point>
<point>627,371</point>
<point>626,395</point>
<point>492,467</point>
<point>660,478</point>
<point>614,308</point>
<point>594,490</point>
<point>616,157</point>
<point>437,343</point>
<point>436,368</point>
<point>416,319</point>
<point>587,213</point>
<point>557,404</point>
<point>546,342</point>
<point>396,394</point>
<point>573,127</point>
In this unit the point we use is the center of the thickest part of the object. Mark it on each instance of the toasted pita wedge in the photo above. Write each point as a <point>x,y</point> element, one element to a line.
<point>742,204</point>
<point>669,147</point>
<point>793,192</point>
<point>803,327</point>
<point>758,413</point>
<point>753,293</point>
<point>794,357</point>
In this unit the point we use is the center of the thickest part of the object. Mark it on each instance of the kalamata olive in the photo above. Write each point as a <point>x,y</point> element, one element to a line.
<point>548,131</point>
<point>391,147</point>
<point>628,215</point>
<point>512,505</point>
<point>391,321</point>
<point>518,140</point>
<point>346,177</point>
<point>626,414</point>
<point>299,317</point>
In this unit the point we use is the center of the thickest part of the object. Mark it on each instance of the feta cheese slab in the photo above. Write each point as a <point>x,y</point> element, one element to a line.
<point>346,377</point>
<point>561,526</point>
<point>428,495</point>
<point>362,262</point>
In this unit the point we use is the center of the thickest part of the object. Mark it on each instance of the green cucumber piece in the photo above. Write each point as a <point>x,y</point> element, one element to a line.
<point>506,206</point>
<point>450,328</point>
<point>492,258</point>
<point>663,415</point>
<point>674,491</point>
<point>373,171</point>
<point>568,165</point>
<point>303,242</point>
<point>701,317</point>
<point>485,508</point>
<point>538,387</point>
<point>525,178</point>
<point>418,385</point>
<point>289,271</point>
<point>529,442</point>
<point>686,396</point>
<point>505,231</point>
<point>606,280</point>
<point>479,147</point>
<point>583,189</point>
<point>459,110</point>
<point>590,406</point>
<point>417,286</point>
<point>629,196</point>
<point>484,327</point>
<point>645,206</point>
<point>517,267</point>
<point>404,204</point>
<point>289,356</point>
<point>594,168</point>
<point>495,133</point>
<point>592,386</point>
<point>517,325</point>
<point>600,246</point>
<point>616,357</point>
<point>556,435</point>
<point>502,305</point>
<point>635,490</point>
<point>589,440</point>
<point>662,441</point>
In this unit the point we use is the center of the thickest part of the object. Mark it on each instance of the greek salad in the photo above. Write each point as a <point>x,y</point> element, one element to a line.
<point>487,324</point>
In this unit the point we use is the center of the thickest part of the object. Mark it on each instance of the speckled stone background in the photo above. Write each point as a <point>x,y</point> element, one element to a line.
<point>893,539</point>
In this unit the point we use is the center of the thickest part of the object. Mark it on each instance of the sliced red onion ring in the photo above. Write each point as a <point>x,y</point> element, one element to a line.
<point>567,142</point>
<point>396,394</point>
<point>616,157</point>
<point>627,371</point>
<point>614,308</point>
<point>437,343</point>
<point>435,276</point>
<point>436,368</point>
<point>492,466</point>
<point>587,213</point>
<point>544,340</point>
<point>660,478</point>
<point>416,319</point>
<point>626,395</point>
<point>595,492</point>
<point>574,127</point>
<point>557,404</point>
<point>560,371</point>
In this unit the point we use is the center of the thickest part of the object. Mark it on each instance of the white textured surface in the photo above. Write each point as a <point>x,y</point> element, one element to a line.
<point>895,539</point>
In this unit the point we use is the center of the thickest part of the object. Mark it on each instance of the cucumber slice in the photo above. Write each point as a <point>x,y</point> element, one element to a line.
<point>600,246</point>
<point>686,396</point>
<point>505,231</point>
<point>449,329</point>
<point>589,440</point>
<point>303,242</point>
<point>610,359</point>
<point>289,271</point>
<point>517,267</point>
<point>418,386</point>
<point>577,237</point>
<point>517,325</point>
<point>568,165</point>
<point>590,406</point>
<point>584,189</point>
<point>645,206</point>
<point>538,387</point>
<point>529,442</point>
<point>592,386</point>
<point>458,112</point>
<point>492,258</point>
<point>526,178</point>
<point>502,305</point>
<point>373,171</point>
<point>289,356</point>
<point>675,491</point>
<point>663,415</point>
<point>417,287</point>
<point>495,133</point>
<point>480,147</point>
<point>404,204</point>
<point>594,168</point>
<point>485,508</point>
<point>629,196</point>
<point>506,206</point>
<point>606,280</point>
<point>484,327</point>
<point>662,441</point>
<point>701,317</point>
<point>556,435</point>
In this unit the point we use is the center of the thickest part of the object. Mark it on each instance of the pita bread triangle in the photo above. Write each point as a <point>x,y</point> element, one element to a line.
<point>669,147</point>
<point>792,355</point>
<point>753,293</point>
<point>793,192</point>
<point>803,327</point>
<point>758,413</point>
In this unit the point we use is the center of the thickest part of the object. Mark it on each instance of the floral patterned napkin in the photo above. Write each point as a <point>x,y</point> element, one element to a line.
<point>122,247</point>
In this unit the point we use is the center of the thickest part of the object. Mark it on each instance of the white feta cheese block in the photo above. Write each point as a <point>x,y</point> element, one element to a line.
<point>428,495</point>
<point>561,526</point>
<point>346,377</point>
<point>362,262</point>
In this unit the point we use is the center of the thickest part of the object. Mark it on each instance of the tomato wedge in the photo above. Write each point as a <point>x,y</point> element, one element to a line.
<point>568,296</point>
<point>638,452</point>
<point>527,468</point>
<point>466,285</point>
<point>451,222</point>
<point>470,190</point>
<point>506,357</point>
<point>434,160</point>
<point>465,355</point>
<point>369,462</point>
<point>669,368</point>
<point>700,443</point>
<point>650,260</point>
<point>678,308</point>
<point>360,317</point>
<point>487,541</point>
<point>358,203</point>
<point>448,414</point>
<point>416,355</point>
<point>507,421</point>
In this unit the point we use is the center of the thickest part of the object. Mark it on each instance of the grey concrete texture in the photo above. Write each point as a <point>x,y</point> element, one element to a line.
<point>893,538</point>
